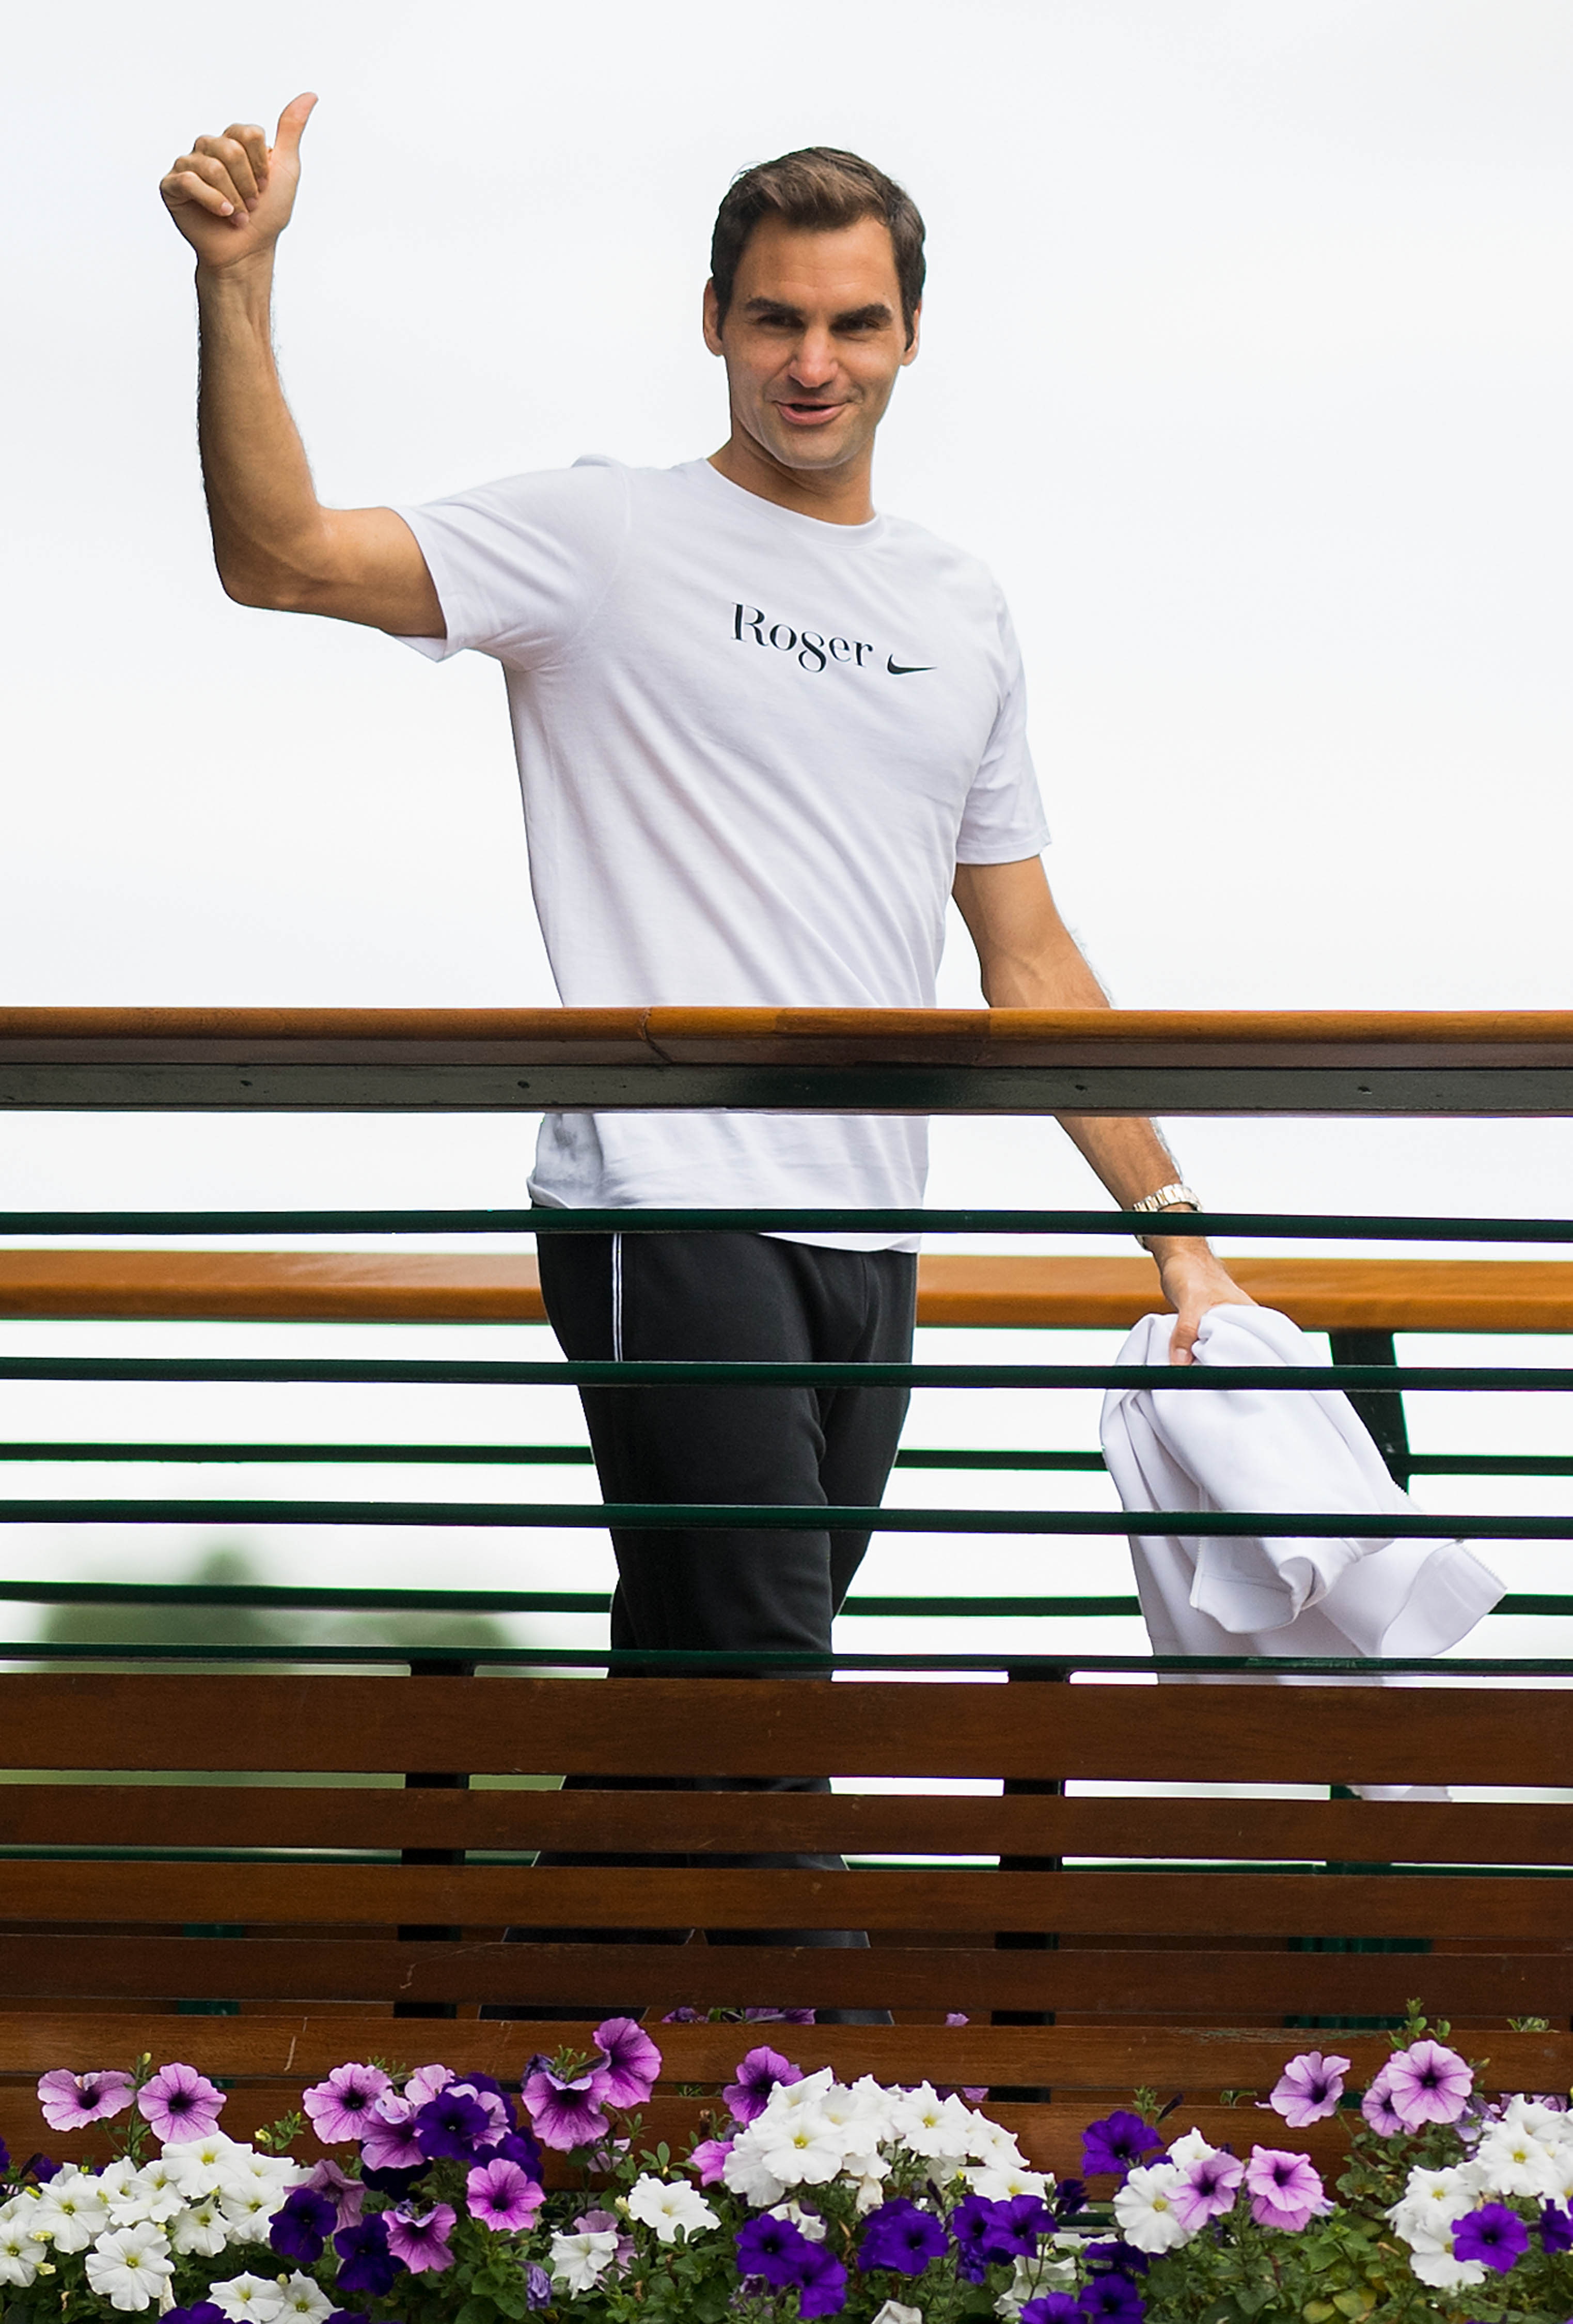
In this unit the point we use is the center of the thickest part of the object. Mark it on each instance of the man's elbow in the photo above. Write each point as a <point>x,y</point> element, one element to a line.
<point>269,586</point>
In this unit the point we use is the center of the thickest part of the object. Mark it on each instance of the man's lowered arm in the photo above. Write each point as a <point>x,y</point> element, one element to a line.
<point>1030,960</point>
<point>273,542</point>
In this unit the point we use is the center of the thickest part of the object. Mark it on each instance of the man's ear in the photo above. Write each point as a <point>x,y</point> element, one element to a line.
<point>911,353</point>
<point>711,324</point>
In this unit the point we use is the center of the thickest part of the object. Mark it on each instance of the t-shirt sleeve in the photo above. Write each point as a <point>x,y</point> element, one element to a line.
<point>520,567</point>
<point>1003,819</point>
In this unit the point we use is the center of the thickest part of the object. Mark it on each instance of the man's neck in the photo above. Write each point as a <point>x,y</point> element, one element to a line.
<point>836,496</point>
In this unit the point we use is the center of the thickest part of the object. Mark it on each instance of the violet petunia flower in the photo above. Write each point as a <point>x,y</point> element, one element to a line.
<point>452,2124</point>
<point>1052,2308</point>
<point>502,2196</point>
<point>1207,2191</point>
<point>900,2236</point>
<point>1285,2190</point>
<point>1556,2227</point>
<point>365,2261</point>
<point>778,2017</point>
<point>1309,2089</point>
<point>205,2312</point>
<point>709,2160</point>
<point>181,2103</point>
<point>632,2064</point>
<point>1494,2235</point>
<point>564,2111</point>
<point>821,2289</point>
<point>300,2227</point>
<point>758,2075</point>
<point>972,2226</point>
<point>420,2239</point>
<point>338,2108</point>
<point>390,2143</point>
<point>684,2015</point>
<point>427,2082</point>
<point>347,2195</point>
<point>538,2286</point>
<point>1118,2143</point>
<point>1376,2105</point>
<point>1428,2083</point>
<point>1113,2297</point>
<point>1123,2258</point>
<point>772,2249</point>
<point>70,2101</point>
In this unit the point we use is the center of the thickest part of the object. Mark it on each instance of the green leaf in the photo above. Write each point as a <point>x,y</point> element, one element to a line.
<point>475,2311</point>
<point>1317,2311</point>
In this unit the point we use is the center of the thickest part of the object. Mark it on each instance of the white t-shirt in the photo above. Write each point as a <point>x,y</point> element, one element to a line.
<point>753,747</point>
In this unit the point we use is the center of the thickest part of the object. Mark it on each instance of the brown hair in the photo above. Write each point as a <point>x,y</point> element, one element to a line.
<point>822,189</point>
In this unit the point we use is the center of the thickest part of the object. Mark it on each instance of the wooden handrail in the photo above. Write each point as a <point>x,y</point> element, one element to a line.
<point>899,1060</point>
<point>368,1287</point>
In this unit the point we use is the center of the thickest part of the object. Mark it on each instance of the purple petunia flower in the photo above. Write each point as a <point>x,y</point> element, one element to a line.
<point>1123,2258</point>
<point>347,2195</point>
<point>452,2124</point>
<point>987,2232</point>
<point>758,2075</point>
<point>773,2249</point>
<point>1309,2089</point>
<point>684,2015</point>
<point>71,2101</point>
<point>1285,2190</point>
<point>338,2108</point>
<point>1118,2143</point>
<point>427,2082</point>
<point>501,2196</point>
<point>390,2143</point>
<point>1069,2197</point>
<point>1114,2296</point>
<point>564,2111</point>
<point>900,2236</point>
<point>487,2088</point>
<point>1376,2105</point>
<point>1052,2308</point>
<point>1495,2236</point>
<point>538,2287</point>
<point>365,2261</point>
<point>633,2062</point>
<point>709,2160</point>
<point>972,2226</point>
<point>181,2103</point>
<point>778,2017</point>
<point>420,2239</point>
<point>823,2289</point>
<point>1556,2227</point>
<point>1427,2083</point>
<point>608,2223</point>
<point>1207,2191</point>
<point>300,2228</point>
<point>203,2312</point>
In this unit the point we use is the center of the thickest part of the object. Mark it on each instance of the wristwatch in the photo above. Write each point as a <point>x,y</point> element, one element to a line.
<point>1167,1198</point>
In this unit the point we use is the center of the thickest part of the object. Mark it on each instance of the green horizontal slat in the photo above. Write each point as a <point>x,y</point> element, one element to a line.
<point>1277,1225</point>
<point>554,1456</point>
<point>765,1517</point>
<point>1443,1378</point>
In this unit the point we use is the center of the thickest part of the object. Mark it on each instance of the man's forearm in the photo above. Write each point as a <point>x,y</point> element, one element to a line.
<point>262,504</point>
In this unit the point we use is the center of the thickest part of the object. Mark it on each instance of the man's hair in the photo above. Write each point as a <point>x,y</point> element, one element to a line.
<point>822,189</point>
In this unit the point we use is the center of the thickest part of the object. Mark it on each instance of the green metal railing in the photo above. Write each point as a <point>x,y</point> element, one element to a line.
<point>1386,1380</point>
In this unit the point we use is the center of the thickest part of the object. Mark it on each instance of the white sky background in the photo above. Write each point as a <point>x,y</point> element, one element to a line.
<point>1246,363</point>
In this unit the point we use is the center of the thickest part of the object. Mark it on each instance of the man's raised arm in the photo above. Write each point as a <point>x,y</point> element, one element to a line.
<point>273,541</point>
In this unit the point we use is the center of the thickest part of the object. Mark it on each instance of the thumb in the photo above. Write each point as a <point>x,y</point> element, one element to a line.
<point>292,122</point>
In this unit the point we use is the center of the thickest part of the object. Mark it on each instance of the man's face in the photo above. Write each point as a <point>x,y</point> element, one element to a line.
<point>813,340</point>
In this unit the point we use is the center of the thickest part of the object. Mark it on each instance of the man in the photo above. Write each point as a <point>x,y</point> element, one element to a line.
<point>762,733</point>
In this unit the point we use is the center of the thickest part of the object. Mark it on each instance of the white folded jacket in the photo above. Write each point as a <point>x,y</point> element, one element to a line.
<point>1275,1451</point>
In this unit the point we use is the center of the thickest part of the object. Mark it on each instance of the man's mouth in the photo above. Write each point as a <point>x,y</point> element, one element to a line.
<point>803,414</point>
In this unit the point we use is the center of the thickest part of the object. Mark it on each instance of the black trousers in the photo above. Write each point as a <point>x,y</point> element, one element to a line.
<point>740,1297</point>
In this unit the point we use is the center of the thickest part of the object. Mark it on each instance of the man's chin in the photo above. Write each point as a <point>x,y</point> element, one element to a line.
<point>810,448</point>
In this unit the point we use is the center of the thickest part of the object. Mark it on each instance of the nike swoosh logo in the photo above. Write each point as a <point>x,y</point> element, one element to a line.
<point>905,668</point>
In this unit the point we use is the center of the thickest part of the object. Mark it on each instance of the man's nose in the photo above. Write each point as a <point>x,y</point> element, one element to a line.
<point>814,360</point>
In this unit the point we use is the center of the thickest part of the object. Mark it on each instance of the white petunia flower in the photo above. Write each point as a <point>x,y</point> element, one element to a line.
<point>999,2186</point>
<point>808,2224</point>
<point>130,2267</point>
<point>990,2143</point>
<point>791,2098</point>
<point>249,2299</point>
<point>869,2192</point>
<point>118,2189</point>
<point>1510,2162</point>
<point>1432,2262</point>
<point>1433,2200</point>
<point>22,2250</point>
<point>1031,2278</point>
<point>579,2261</point>
<point>248,2208</point>
<point>157,2191</point>
<point>199,2164</point>
<point>305,2302</point>
<point>1144,2211</point>
<point>1191,2150</point>
<point>201,2231</point>
<point>668,2208</point>
<point>70,2212</point>
<point>893,2312</point>
<point>746,2173</point>
<point>803,2149</point>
